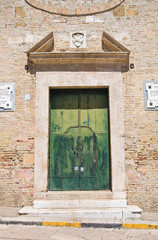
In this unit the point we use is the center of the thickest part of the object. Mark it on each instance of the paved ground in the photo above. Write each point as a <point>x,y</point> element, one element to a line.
<point>12,232</point>
<point>22,232</point>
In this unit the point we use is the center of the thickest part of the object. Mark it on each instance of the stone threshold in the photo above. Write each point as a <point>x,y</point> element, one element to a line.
<point>73,195</point>
<point>79,204</point>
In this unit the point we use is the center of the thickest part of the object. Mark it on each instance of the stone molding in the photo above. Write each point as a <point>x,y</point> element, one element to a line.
<point>86,9</point>
<point>113,55</point>
<point>60,79</point>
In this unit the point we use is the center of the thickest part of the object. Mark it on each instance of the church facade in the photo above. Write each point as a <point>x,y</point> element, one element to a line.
<point>79,103</point>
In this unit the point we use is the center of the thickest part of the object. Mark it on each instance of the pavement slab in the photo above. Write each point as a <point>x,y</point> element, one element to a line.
<point>10,232</point>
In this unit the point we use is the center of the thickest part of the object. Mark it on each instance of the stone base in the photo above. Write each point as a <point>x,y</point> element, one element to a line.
<point>84,214</point>
<point>80,204</point>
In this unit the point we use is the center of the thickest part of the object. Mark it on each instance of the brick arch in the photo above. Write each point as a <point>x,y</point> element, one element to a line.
<point>87,9</point>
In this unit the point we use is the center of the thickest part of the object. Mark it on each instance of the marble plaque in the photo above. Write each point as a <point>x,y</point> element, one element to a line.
<point>7,95</point>
<point>151,95</point>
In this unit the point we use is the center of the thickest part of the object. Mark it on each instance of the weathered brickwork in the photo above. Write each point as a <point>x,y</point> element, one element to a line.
<point>71,8</point>
<point>135,25</point>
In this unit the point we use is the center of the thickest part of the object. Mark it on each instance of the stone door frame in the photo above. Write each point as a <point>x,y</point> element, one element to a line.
<point>51,79</point>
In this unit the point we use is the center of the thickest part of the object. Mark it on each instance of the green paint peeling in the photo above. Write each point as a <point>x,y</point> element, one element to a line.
<point>79,140</point>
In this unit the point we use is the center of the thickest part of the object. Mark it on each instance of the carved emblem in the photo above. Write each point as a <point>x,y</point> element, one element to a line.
<point>74,7</point>
<point>77,39</point>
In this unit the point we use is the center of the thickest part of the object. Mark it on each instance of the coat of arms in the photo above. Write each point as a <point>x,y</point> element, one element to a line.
<point>78,39</point>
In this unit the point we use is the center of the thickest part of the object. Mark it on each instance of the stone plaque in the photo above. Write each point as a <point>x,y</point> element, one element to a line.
<point>151,95</point>
<point>7,95</point>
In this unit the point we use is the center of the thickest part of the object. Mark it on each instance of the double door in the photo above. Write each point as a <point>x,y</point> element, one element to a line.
<point>79,140</point>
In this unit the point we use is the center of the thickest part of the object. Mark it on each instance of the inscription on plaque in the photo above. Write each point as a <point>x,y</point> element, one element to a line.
<point>151,95</point>
<point>7,93</point>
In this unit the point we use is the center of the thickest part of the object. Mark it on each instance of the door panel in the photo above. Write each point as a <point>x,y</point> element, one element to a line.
<point>70,173</point>
<point>87,160</point>
<point>79,140</point>
<point>70,110</point>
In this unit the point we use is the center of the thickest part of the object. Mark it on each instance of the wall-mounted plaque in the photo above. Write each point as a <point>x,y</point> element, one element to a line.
<point>7,96</point>
<point>151,95</point>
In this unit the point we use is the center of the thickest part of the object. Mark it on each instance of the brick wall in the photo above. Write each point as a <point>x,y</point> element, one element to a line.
<point>135,25</point>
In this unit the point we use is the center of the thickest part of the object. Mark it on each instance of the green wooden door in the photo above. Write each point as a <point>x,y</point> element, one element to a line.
<point>79,140</point>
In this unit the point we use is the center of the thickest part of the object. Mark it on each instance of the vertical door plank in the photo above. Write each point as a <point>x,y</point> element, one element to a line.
<point>70,163</point>
<point>56,142</point>
<point>70,106</point>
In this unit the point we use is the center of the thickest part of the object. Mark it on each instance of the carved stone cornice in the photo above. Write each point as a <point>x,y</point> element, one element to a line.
<point>114,56</point>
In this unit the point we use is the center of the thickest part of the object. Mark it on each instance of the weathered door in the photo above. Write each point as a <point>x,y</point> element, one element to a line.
<point>79,140</point>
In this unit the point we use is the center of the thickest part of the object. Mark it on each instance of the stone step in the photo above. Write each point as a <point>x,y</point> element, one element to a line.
<point>79,204</point>
<point>83,215</point>
<point>74,195</point>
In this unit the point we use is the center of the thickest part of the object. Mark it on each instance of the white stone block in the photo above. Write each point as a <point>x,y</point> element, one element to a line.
<point>78,204</point>
<point>132,212</point>
<point>29,38</point>
<point>89,18</point>
<point>27,97</point>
